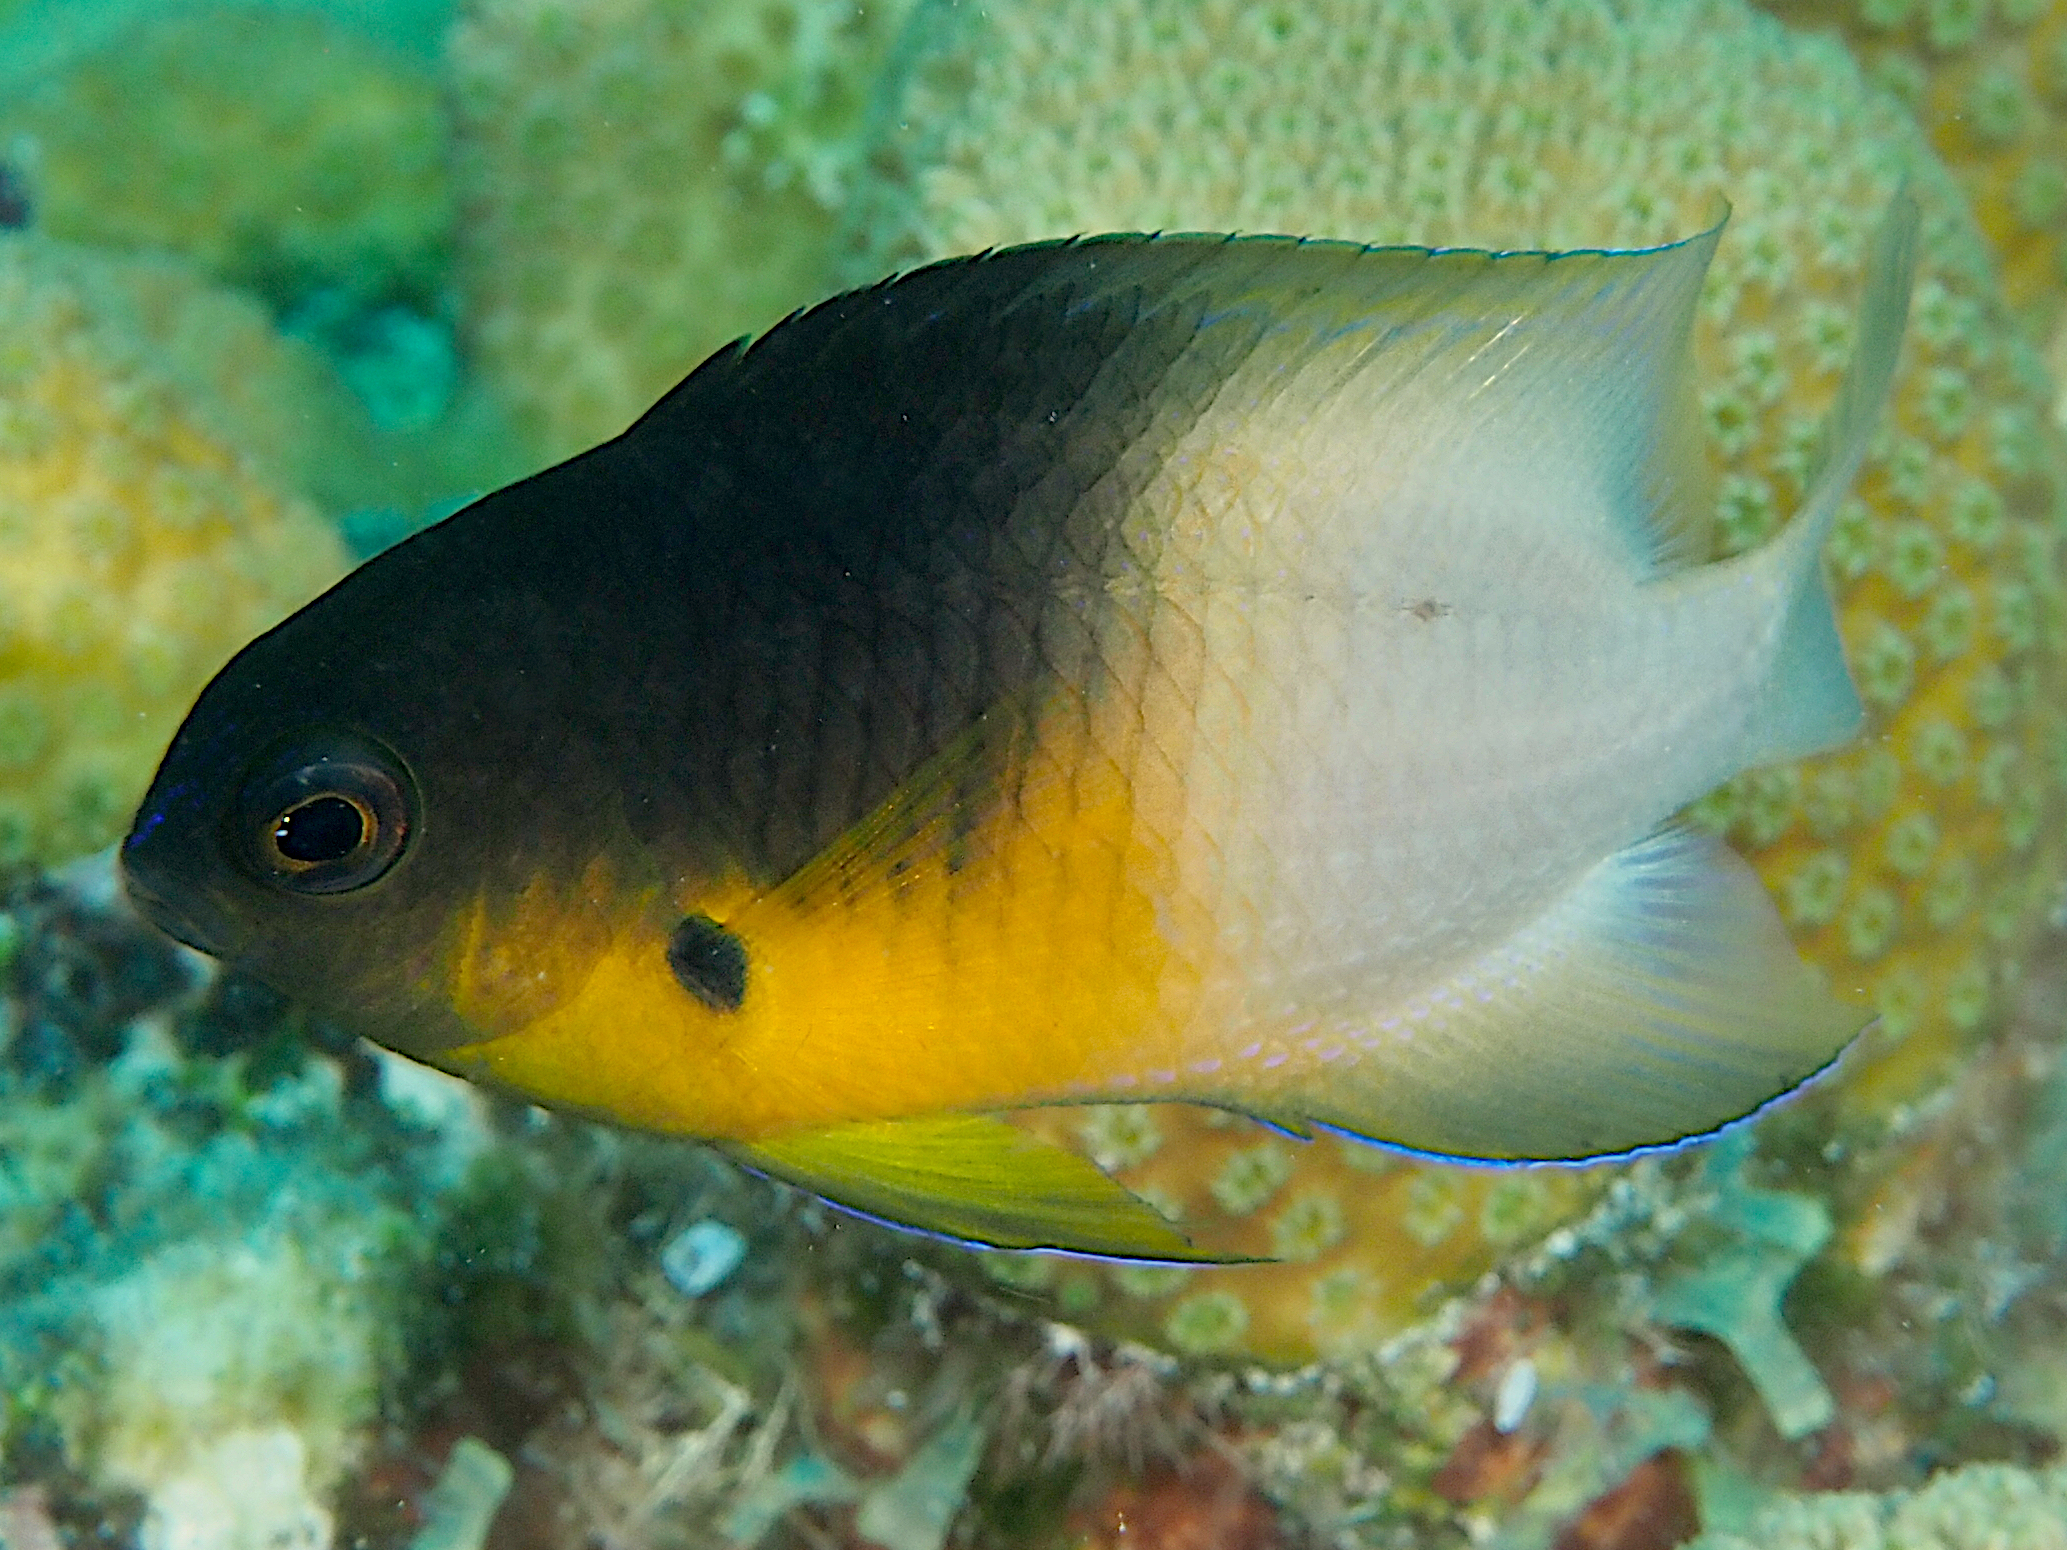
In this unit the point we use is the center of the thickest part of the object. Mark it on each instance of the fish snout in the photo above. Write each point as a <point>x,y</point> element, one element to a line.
<point>185,914</point>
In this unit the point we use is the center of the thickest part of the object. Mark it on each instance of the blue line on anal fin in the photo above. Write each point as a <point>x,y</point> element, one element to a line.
<point>1660,1000</point>
<point>976,1180</point>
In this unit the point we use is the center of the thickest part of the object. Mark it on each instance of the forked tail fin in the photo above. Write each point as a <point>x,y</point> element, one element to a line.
<point>1809,703</point>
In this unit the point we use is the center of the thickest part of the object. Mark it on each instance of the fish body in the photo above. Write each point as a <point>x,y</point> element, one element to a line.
<point>1240,671</point>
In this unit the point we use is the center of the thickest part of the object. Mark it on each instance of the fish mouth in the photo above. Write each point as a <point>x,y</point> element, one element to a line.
<point>167,919</point>
<point>192,923</point>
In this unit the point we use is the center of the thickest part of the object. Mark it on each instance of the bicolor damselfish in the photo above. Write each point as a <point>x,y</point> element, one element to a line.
<point>1243,671</point>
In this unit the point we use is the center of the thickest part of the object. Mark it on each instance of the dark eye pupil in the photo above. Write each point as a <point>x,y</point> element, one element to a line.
<point>325,829</point>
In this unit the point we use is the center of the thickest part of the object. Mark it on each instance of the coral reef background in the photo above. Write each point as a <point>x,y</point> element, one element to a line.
<point>279,282</point>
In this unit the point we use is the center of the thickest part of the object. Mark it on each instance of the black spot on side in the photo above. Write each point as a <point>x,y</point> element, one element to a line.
<point>709,961</point>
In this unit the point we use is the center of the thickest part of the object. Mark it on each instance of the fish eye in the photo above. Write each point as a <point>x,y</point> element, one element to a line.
<point>326,816</point>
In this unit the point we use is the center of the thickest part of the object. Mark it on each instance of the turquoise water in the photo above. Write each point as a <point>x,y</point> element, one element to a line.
<point>281,285</point>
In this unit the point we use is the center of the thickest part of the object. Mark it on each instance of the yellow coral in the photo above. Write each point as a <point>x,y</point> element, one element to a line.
<point>275,399</point>
<point>137,551</point>
<point>1364,1236</point>
<point>646,179</point>
<point>1912,864</point>
<point>1989,82</point>
<point>272,146</point>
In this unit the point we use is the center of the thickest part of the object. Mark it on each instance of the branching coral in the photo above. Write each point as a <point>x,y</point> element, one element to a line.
<point>1911,865</point>
<point>1735,1293</point>
<point>644,180</point>
<point>137,550</point>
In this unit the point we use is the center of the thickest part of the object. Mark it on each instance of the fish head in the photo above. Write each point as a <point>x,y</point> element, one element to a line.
<point>397,777</point>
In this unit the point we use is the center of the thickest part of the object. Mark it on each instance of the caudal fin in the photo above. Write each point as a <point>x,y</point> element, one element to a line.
<point>1809,703</point>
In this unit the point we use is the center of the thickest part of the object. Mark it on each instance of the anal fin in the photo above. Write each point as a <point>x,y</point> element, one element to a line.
<point>976,1180</point>
<point>1658,1001</point>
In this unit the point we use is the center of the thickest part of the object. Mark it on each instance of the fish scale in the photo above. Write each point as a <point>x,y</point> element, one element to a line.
<point>1248,672</point>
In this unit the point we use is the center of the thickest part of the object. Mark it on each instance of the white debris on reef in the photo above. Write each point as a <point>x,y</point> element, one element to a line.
<point>248,1492</point>
<point>702,1256</point>
<point>205,1344</point>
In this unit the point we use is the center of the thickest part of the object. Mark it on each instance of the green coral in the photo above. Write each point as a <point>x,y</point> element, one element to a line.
<point>1249,1177</point>
<point>647,179</point>
<point>1207,1323</point>
<point>1980,1507</point>
<point>1308,1226</point>
<point>1734,1292</point>
<point>273,146</point>
<point>1120,1135</point>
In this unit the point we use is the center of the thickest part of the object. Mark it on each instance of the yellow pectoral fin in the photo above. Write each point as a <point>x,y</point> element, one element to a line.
<point>977,1180</point>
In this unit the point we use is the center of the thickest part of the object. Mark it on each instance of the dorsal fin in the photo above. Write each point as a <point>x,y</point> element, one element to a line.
<point>1564,373</point>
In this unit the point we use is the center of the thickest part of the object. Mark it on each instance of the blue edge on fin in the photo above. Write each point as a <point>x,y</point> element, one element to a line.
<point>1654,1149</point>
<point>1649,1149</point>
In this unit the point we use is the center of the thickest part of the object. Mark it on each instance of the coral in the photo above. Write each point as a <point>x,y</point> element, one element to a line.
<point>1980,1507</point>
<point>205,1282</point>
<point>1735,1293</point>
<point>1989,83</point>
<point>273,146</point>
<point>356,409</point>
<point>1366,1236</point>
<point>1549,1409</point>
<point>1913,864</point>
<point>271,398</point>
<point>1424,1441</point>
<point>246,1492</point>
<point>211,1339</point>
<point>644,180</point>
<point>138,549</point>
<point>463,1503</point>
<point>1206,1505</point>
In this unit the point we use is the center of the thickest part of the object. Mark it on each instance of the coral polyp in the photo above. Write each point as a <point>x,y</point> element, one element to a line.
<point>644,180</point>
<point>138,547</point>
<point>1913,865</point>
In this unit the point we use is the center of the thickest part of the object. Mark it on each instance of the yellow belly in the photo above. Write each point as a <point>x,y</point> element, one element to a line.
<point>908,971</point>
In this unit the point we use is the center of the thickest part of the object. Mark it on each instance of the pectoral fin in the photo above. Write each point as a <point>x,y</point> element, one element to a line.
<point>976,1180</point>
